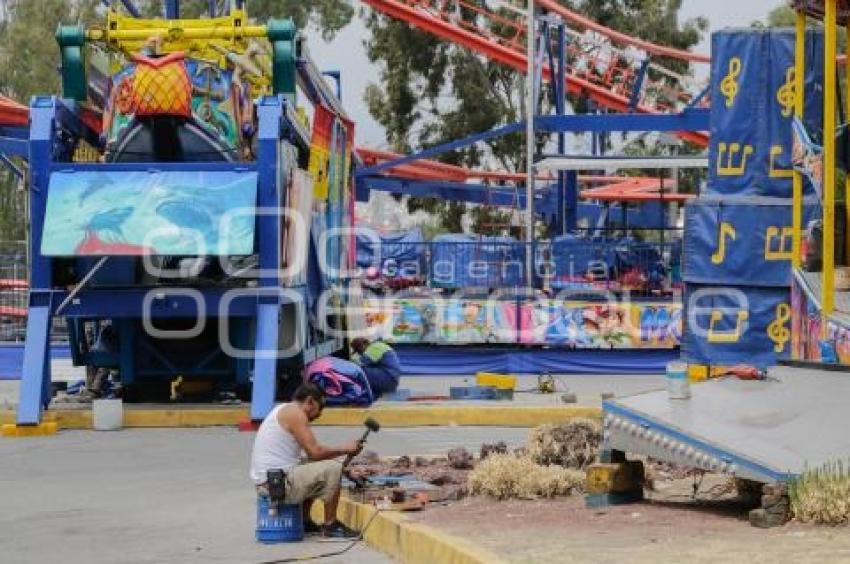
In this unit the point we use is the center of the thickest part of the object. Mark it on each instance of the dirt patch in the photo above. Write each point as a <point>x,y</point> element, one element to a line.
<point>669,527</point>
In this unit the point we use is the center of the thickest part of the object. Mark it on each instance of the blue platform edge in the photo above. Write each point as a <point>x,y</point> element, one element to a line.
<point>12,358</point>
<point>456,360</point>
<point>464,360</point>
<point>608,406</point>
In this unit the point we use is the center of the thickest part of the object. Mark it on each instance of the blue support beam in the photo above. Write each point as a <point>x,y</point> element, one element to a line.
<point>641,77</point>
<point>445,147</point>
<point>571,201</point>
<point>265,360</point>
<point>35,382</point>
<point>270,114</point>
<point>172,9</point>
<point>131,8</point>
<point>14,147</point>
<point>335,74</point>
<point>689,120</point>
<point>454,191</point>
<point>13,168</point>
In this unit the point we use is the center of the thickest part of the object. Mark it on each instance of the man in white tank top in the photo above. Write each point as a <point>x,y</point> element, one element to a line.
<point>283,438</point>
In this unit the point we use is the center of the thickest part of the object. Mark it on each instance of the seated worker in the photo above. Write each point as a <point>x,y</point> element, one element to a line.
<point>284,435</point>
<point>380,364</point>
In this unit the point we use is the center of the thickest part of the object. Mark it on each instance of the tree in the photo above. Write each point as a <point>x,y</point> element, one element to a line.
<point>432,91</point>
<point>29,58</point>
<point>329,16</point>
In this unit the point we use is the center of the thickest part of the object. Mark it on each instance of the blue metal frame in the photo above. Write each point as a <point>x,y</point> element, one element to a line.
<point>688,120</point>
<point>255,312</point>
<point>172,9</point>
<point>724,455</point>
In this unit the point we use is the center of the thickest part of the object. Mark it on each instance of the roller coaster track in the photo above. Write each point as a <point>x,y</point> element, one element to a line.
<point>602,63</point>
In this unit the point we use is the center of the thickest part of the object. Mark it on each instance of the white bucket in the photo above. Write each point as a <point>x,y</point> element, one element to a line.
<point>678,386</point>
<point>107,414</point>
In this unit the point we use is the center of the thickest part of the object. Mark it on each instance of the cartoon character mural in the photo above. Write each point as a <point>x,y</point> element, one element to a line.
<point>573,324</point>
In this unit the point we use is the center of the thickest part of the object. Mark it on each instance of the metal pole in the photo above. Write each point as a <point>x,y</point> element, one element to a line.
<point>562,137</point>
<point>828,280</point>
<point>799,105</point>
<point>530,111</point>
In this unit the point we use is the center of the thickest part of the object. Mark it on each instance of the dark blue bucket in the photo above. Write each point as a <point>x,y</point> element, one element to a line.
<point>286,526</point>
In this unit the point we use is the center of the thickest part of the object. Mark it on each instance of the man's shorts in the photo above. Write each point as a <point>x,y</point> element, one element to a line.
<point>313,480</point>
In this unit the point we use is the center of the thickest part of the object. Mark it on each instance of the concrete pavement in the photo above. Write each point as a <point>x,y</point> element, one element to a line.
<point>165,495</point>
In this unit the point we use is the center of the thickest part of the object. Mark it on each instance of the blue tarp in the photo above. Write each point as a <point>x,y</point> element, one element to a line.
<point>736,324</point>
<point>756,241</point>
<point>395,254</point>
<point>449,360</point>
<point>12,359</point>
<point>463,261</point>
<point>752,109</point>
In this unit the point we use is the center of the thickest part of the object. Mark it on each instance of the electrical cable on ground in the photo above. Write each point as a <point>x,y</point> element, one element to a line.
<point>327,554</point>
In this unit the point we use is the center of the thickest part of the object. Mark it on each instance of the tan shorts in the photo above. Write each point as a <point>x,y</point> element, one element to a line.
<point>313,480</point>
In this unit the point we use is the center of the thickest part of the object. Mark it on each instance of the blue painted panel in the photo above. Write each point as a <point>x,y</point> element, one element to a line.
<point>739,241</point>
<point>736,324</point>
<point>751,109</point>
<point>161,213</point>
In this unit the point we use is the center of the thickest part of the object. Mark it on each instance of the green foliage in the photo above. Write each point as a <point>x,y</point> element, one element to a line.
<point>432,91</point>
<point>329,16</point>
<point>822,495</point>
<point>781,16</point>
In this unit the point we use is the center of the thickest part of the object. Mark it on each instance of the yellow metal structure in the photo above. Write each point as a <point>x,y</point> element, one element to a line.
<point>799,106</point>
<point>828,280</point>
<point>209,39</point>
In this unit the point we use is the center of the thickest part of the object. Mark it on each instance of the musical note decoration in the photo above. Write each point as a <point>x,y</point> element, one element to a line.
<point>777,330</point>
<point>729,84</point>
<point>786,95</point>
<point>725,230</point>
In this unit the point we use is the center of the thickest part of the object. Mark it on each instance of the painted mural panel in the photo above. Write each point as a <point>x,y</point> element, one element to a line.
<point>574,324</point>
<point>180,213</point>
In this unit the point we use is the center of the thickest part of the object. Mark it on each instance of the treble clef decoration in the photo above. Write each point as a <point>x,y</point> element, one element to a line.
<point>786,95</point>
<point>729,84</point>
<point>777,331</point>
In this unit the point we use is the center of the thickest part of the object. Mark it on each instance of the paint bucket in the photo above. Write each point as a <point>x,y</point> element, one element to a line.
<point>107,414</point>
<point>284,525</point>
<point>678,386</point>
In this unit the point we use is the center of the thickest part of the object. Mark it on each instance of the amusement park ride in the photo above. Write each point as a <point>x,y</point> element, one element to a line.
<point>129,187</point>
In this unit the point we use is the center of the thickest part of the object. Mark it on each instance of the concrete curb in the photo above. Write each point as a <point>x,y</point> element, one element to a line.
<point>412,543</point>
<point>419,416</point>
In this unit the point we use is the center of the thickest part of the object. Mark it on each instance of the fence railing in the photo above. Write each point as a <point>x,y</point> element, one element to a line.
<point>609,263</point>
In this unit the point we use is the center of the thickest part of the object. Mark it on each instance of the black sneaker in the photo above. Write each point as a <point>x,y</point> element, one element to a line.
<point>338,531</point>
<point>311,528</point>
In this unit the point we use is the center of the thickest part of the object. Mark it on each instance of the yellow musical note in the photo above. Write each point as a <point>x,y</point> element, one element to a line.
<point>731,336</point>
<point>725,230</point>
<point>785,95</point>
<point>730,150</point>
<point>729,84</point>
<point>775,151</point>
<point>777,331</point>
<point>784,250</point>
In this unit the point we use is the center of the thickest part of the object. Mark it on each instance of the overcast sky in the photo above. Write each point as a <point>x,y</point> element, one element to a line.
<point>346,53</point>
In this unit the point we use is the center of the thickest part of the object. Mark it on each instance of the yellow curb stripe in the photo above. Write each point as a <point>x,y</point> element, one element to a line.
<point>525,416</point>
<point>42,430</point>
<point>419,416</point>
<point>412,543</point>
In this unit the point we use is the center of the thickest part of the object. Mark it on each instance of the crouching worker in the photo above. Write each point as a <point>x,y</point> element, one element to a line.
<point>284,435</point>
<point>379,363</point>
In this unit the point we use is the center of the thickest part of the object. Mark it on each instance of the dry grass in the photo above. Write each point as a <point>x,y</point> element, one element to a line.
<point>508,476</point>
<point>822,495</point>
<point>572,445</point>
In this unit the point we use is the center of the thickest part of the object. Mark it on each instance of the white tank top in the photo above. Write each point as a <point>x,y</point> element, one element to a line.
<point>274,447</point>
